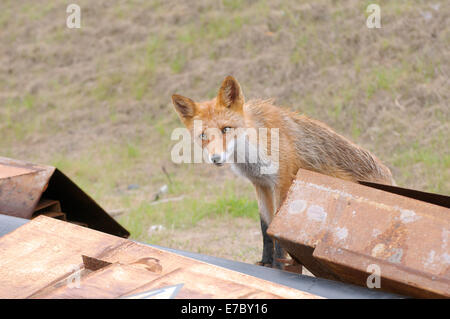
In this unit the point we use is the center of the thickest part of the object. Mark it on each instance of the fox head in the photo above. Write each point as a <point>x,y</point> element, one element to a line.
<point>220,118</point>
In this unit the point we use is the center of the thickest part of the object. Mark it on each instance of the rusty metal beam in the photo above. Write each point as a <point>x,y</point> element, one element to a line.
<point>27,188</point>
<point>45,257</point>
<point>21,186</point>
<point>337,229</point>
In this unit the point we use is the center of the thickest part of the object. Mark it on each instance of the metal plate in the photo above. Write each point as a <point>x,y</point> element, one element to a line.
<point>21,186</point>
<point>44,259</point>
<point>337,229</point>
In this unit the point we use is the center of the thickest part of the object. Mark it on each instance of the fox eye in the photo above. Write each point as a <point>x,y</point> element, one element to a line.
<point>226,129</point>
<point>203,136</point>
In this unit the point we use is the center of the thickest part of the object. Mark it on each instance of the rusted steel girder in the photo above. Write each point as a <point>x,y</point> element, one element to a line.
<point>26,189</point>
<point>346,231</point>
<point>50,258</point>
<point>21,186</point>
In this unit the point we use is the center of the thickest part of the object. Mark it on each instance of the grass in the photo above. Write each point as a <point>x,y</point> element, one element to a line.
<point>12,111</point>
<point>186,214</point>
<point>103,174</point>
<point>233,4</point>
<point>383,78</point>
<point>178,63</point>
<point>106,88</point>
<point>299,54</point>
<point>96,101</point>
<point>221,27</point>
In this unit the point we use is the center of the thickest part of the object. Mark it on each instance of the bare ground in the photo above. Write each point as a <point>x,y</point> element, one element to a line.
<point>232,238</point>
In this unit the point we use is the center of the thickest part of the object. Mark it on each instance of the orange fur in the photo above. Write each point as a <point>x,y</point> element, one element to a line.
<point>303,142</point>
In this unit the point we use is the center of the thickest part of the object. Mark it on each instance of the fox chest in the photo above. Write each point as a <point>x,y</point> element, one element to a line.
<point>256,173</point>
<point>252,162</point>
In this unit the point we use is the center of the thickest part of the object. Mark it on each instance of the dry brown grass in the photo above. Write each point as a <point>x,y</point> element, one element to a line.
<point>96,101</point>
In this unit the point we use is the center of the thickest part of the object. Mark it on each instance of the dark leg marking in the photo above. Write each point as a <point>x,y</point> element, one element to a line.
<point>278,254</point>
<point>267,255</point>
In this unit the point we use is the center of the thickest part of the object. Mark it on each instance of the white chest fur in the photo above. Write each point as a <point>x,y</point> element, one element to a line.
<point>252,162</point>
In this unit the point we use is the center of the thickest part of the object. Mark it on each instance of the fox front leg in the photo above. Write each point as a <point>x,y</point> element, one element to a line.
<point>272,253</point>
<point>266,205</point>
<point>268,252</point>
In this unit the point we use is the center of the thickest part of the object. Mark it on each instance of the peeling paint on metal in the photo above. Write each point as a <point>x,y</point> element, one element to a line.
<point>349,196</point>
<point>397,256</point>
<point>445,235</point>
<point>375,232</point>
<point>408,237</point>
<point>378,250</point>
<point>297,206</point>
<point>408,216</point>
<point>430,258</point>
<point>341,233</point>
<point>316,213</point>
<point>446,258</point>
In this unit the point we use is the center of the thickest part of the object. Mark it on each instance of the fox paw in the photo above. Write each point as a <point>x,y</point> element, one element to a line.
<point>261,263</point>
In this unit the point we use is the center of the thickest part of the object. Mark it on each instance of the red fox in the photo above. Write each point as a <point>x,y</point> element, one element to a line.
<point>301,143</point>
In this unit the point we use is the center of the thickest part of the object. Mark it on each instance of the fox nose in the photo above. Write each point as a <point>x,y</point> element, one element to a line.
<point>215,158</point>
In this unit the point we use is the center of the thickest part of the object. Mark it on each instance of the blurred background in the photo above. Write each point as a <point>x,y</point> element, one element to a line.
<point>95,101</point>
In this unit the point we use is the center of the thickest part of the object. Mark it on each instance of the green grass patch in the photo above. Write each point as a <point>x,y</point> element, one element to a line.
<point>99,169</point>
<point>154,52</point>
<point>233,4</point>
<point>417,154</point>
<point>132,151</point>
<point>220,27</point>
<point>186,213</point>
<point>383,78</point>
<point>15,123</point>
<point>430,160</point>
<point>106,88</point>
<point>300,54</point>
<point>178,63</point>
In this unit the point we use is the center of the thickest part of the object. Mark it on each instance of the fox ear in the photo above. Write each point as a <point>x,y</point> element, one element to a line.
<point>230,94</point>
<point>184,106</point>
